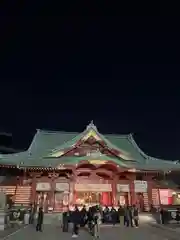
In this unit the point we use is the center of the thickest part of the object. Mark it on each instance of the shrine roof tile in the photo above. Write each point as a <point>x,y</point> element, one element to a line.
<point>47,142</point>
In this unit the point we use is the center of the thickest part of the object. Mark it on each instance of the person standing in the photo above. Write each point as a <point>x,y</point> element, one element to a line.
<point>113,216</point>
<point>97,222</point>
<point>76,218</point>
<point>90,219</point>
<point>128,216</point>
<point>136,216</point>
<point>83,215</point>
<point>40,220</point>
<point>121,216</point>
<point>178,215</point>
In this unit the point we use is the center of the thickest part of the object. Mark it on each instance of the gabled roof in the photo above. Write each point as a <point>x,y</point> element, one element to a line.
<point>46,144</point>
<point>50,142</point>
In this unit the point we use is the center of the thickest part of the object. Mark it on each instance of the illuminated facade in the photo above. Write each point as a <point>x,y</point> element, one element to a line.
<point>62,169</point>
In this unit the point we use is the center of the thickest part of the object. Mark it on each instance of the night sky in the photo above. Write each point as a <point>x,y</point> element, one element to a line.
<point>61,72</point>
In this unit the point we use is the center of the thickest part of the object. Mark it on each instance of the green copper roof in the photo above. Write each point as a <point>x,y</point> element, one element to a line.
<point>45,143</point>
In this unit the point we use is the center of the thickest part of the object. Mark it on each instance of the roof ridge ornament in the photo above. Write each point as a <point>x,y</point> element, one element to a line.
<point>91,125</point>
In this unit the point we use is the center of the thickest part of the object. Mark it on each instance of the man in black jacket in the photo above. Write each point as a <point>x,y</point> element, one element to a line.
<point>76,218</point>
<point>83,215</point>
<point>40,220</point>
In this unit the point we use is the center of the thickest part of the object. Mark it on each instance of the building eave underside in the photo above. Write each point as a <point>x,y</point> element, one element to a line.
<point>27,162</point>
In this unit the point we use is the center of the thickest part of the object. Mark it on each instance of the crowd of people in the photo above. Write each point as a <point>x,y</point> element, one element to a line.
<point>93,217</point>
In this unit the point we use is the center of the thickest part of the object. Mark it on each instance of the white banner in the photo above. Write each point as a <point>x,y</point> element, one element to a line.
<point>140,186</point>
<point>93,187</point>
<point>43,186</point>
<point>122,187</point>
<point>61,187</point>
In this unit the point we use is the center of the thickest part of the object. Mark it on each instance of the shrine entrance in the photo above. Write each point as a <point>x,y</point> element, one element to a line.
<point>61,196</point>
<point>140,201</point>
<point>93,194</point>
<point>123,194</point>
<point>43,200</point>
<point>52,199</point>
<point>88,198</point>
<point>43,195</point>
<point>61,201</point>
<point>122,199</point>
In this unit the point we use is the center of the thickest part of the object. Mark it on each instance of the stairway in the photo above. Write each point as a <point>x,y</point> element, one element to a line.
<point>23,195</point>
<point>146,201</point>
<point>8,190</point>
<point>155,197</point>
<point>58,209</point>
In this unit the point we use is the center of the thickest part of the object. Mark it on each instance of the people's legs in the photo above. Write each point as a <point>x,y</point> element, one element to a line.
<point>136,222</point>
<point>89,225</point>
<point>122,220</point>
<point>95,230</point>
<point>37,227</point>
<point>98,230</point>
<point>40,227</point>
<point>127,222</point>
<point>131,221</point>
<point>76,229</point>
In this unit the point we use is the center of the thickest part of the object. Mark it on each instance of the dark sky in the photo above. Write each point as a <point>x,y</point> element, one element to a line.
<point>61,71</point>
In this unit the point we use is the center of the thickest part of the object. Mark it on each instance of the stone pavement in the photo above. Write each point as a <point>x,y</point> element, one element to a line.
<point>8,231</point>
<point>51,232</point>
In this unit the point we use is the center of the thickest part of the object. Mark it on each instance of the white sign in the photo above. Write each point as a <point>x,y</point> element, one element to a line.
<point>61,187</point>
<point>140,186</point>
<point>164,196</point>
<point>43,186</point>
<point>122,187</point>
<point>94,153</point>
<point>93,187</point>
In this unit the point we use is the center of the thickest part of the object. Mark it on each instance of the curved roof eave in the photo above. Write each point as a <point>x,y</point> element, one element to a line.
<point>147,157</point>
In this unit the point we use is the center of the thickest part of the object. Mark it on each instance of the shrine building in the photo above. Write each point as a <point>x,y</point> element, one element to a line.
<point>61,169</point>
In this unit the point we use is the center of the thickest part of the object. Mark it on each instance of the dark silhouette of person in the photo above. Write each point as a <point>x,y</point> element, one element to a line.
<point>40,220</point>
<point>76,218</point>
<point>83,215</point>
<point>113,215</point>
<point>128,214</point>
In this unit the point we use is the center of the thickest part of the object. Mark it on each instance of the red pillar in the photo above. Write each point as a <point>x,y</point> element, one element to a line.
<point>114,192</point>
<point>33,194</point>
<point>73,191</point>
<point>105,199</point>
<point>149,189</point>
<point>132,192</point>
<point>170,197</point>
<point>52,196</point>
